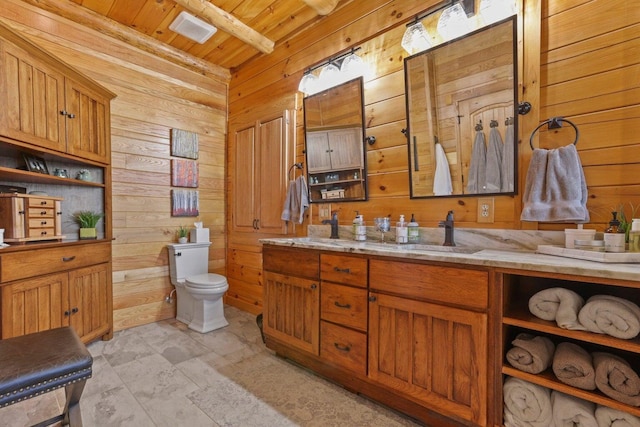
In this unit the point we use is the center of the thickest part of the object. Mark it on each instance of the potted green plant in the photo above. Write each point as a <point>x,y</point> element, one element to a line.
<point>183,234</point>
<point>87,220</point>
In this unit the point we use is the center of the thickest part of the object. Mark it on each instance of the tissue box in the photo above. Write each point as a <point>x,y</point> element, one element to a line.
<point>199,235</point>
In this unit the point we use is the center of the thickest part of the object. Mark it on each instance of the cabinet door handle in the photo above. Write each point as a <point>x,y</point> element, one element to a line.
<point>63,113</point>
<point>372,298</point>
<point>71,116</point>
<point>74,310</point>
<point>314,286</point>
<point>342,347</point>
<point>257,226</point>
<point>68,258</point>
<point>342,270</point>
<point>67,313</point>
<point>339,304</point>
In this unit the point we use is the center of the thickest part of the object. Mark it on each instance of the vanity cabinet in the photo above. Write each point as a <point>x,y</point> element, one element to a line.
<point>518,287</point>
<point>50,288</point>
<point>428,335</point>
<point>292,297</point>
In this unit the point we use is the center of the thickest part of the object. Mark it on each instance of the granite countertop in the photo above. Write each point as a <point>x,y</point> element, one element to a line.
<point>521,259</point>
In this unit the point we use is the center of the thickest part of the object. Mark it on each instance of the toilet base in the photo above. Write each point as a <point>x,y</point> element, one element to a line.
<point>208,315</point>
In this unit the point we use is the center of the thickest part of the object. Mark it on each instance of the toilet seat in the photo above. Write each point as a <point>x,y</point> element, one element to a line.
<point>207,281</point>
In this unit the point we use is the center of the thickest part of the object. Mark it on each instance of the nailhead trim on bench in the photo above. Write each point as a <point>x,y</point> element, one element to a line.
<point>84,371</point>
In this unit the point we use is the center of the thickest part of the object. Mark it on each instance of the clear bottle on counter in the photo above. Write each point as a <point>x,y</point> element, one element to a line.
<point>614,236</point>
<point>359,228</point>
<point>402,231</point>
<point>634,235</point>
<point>413,231</point>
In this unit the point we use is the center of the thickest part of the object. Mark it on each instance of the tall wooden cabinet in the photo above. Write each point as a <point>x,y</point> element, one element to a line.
<point>53,112</point>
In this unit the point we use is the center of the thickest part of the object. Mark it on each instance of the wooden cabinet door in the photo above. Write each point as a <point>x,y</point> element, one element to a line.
<point>345,147</point>
<point>89,291</point>
<point>292,314</point>
<point>244,204</point>
<point>35,304</point>
<point>87,123</point>
<point>435,354</point>
<point>32,99</point>
<point>318,153</point>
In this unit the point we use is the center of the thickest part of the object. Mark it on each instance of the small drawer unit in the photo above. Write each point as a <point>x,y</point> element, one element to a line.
<point>29,218</point>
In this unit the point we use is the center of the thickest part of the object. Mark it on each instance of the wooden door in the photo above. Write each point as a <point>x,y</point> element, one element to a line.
<point>32,99</point>
<point>292,311</point>
<point>34,305</point>
<point>89,290</point>
<point>87,123</point>
<point>244,200</point>
<point>435,354</point>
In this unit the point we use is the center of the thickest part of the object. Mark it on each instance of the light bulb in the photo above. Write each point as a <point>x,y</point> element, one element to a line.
<point>453,22</point>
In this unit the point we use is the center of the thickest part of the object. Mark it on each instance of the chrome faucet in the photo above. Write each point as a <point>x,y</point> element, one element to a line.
<point>448,229</point>
<point>334,225</point>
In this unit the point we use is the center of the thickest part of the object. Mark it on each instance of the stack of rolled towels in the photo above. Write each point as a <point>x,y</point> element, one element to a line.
<point>573,365</point>
<point>528,404</point>
<point>602,314</point>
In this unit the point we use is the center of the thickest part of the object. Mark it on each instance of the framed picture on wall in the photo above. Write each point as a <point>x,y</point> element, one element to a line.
<point>35,164</point>
<point>184,202</point>
<point>184,144</point>
<point>184,173</point>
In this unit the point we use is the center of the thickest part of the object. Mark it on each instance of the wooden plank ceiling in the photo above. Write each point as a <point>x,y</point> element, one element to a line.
<point>276,20</point>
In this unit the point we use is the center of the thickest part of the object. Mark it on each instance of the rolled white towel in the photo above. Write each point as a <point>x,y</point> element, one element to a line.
<point>531,353</point>
<point>559,304</point>
<point>616,378</point>
<point>606,314</point>
<point>570,411</point>
<point>609,417</point>
<point>526,404</point>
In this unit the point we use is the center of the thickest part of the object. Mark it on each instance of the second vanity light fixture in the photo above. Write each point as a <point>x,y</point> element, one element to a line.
<point>351,66</point>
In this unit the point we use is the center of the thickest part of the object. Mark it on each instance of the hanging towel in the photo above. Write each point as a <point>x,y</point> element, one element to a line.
<point>526,404</point>
<point>573,365</point>
<point>478,166</point>
<point>296,201</point>
<point>606,314</point>
<point>609,417</point>
<point>289,208</point>
<point>508,157</point>
<point>570,411</point>
<point>616,378</point>
<point>494,162</point>
<point>442,178</point>
<point>559,304</point>
<point>555,188</point>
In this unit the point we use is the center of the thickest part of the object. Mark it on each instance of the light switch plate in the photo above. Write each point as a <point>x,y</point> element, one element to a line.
<point>324,211</point>
<point>485,210</point>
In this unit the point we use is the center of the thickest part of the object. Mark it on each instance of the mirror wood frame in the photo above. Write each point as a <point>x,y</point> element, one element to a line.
<point>335,148</point>
<point>444,104</point>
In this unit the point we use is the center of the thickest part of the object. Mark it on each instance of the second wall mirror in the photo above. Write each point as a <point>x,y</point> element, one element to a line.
<point>334,143</point>
<point>461,98</point>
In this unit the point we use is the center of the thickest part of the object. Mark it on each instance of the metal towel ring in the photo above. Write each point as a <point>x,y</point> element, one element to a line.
<point>554,123</point>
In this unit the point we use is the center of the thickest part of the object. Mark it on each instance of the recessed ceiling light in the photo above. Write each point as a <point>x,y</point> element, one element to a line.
<point>193,28</point>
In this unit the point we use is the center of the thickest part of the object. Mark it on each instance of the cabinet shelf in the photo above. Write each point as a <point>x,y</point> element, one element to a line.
<point>331,183</point>
<point>547,379</point>
<point>17,175</point>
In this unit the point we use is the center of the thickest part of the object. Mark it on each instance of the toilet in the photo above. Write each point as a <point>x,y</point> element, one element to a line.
<point>199,293</point>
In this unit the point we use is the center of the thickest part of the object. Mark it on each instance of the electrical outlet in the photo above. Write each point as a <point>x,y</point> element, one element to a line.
<point>485,209</point>
<point>324,211</point>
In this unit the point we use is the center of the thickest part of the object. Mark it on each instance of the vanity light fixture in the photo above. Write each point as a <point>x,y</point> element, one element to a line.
<point>416,38</point>
<point>329,76</point>
<point>352,66</point>
<point>454,22</point>
<point>192,28</point>
<point>308,83</point>
<point>495,10</point>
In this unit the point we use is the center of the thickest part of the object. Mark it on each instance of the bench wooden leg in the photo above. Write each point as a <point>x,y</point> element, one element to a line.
<point>71,413</point>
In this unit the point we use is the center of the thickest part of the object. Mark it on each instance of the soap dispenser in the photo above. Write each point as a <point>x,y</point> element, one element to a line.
<point>634,235</point>
<point>359,229</point>
<point>614,236</point>
<point>413,231</point>
<point>402,231</point>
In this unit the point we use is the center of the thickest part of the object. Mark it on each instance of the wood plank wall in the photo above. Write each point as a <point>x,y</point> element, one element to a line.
<point>589,74</point>
<point>153,96</point>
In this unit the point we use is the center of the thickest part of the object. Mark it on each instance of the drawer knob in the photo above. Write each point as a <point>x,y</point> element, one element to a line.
<point>339,304</point>
<point>67,313</point>
<point>342,347</point>
<point>43,212</point>
<point>342,270</point>
<point>43,233</point>
<point>68,258</point>
<point>314,286</point>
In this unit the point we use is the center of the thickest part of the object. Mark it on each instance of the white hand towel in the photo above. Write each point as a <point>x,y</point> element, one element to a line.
<point>570,411</point>
<point>609,417</point>
<point>508,157</point>
<point>606,314</point>
<point>555,188</point>
<point>494,162</point>
<point>478,167</point>
<point>526,404</point>
<point>442,178</point>
<point>559,304</point>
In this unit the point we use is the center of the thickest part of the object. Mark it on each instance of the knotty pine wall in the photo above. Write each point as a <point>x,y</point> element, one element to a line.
<point>579,59</point>
<point>153,96</point>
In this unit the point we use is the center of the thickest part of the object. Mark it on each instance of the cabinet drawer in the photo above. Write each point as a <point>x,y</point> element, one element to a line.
<point>448,285</point>
<point>41,232</point>
<point>41,223</point>
<point>344,269</point>
<point>35,202</point>
<point>21,265</point>
<point>293,262</point>
<point>40,213</point>
<point>343,347</point>
<point>344,305</point>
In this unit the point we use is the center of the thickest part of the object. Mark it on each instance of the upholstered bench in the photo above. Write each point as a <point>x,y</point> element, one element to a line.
<point>37,363</point>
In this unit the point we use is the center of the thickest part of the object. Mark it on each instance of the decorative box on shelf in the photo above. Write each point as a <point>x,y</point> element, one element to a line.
<point>29,218</point>
<point>333,194</point>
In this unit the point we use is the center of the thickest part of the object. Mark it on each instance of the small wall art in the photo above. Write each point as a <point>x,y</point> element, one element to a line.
<point>184,203</point>
<point>184,144</point>
<point>184,173</point>
<point>35,164</point>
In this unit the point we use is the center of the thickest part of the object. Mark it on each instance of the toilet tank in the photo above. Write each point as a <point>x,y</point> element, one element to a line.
<point>188,259</point>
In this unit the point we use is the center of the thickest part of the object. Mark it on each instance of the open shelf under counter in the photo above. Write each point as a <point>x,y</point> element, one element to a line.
<point>548,380</point>
<point>18,175</point>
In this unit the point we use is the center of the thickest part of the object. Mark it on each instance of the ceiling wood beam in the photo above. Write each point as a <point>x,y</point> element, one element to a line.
<point>88,18</point>
<point>228,23</point>
<point>323,7</point>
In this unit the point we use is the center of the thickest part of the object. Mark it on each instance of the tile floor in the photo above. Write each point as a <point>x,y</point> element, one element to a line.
<point>164,374</point>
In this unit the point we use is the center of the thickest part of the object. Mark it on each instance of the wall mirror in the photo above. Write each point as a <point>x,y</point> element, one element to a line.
<point>334,143</point>
<point>461,99</point>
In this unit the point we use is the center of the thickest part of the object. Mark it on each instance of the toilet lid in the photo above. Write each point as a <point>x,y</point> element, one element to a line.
<point>209,280</point>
